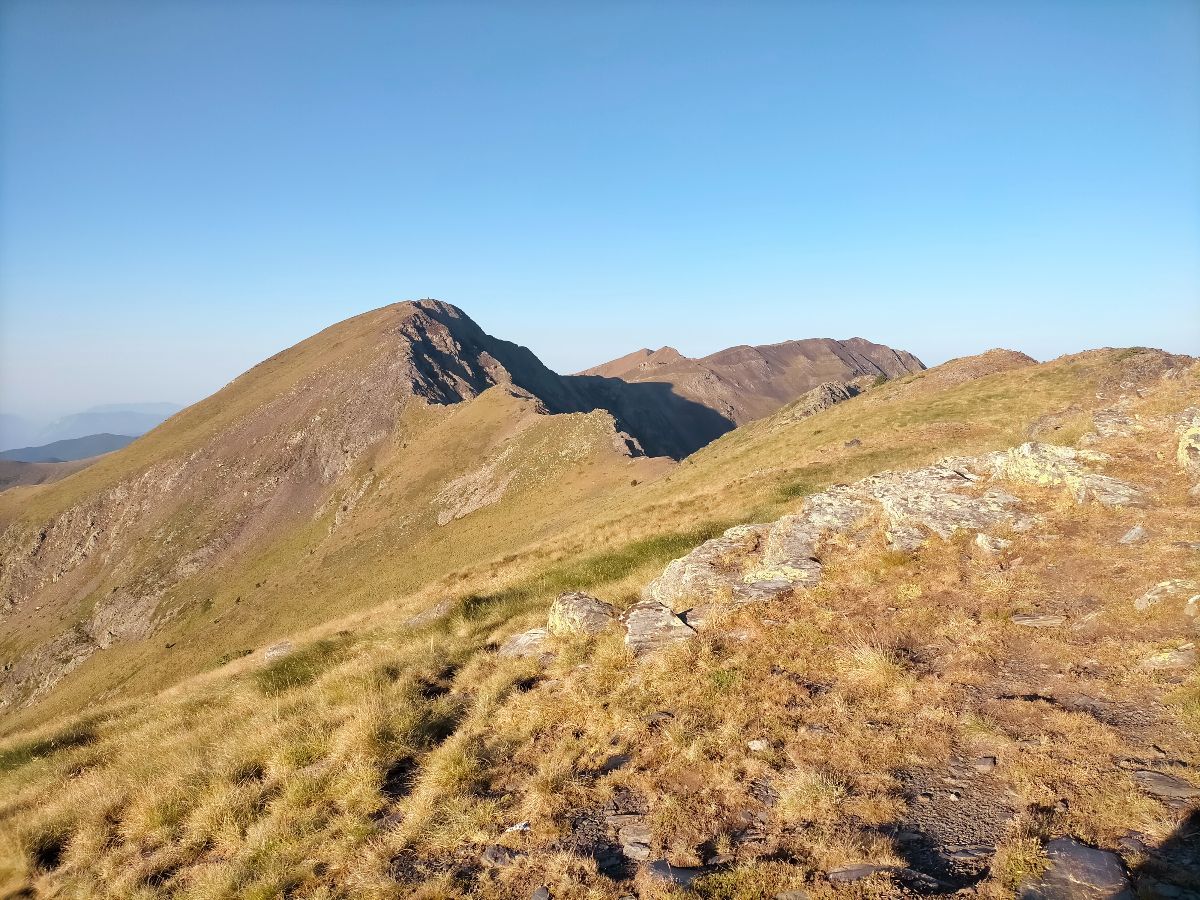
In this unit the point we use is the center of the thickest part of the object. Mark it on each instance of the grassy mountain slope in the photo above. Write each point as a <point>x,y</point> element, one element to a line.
<point>393,744</point>
<point>267,496</point>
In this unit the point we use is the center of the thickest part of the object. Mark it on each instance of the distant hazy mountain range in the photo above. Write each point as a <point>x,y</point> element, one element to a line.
<point>70,449</point>
<point>132,419</point>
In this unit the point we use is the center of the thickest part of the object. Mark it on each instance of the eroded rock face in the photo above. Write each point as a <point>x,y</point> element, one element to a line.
<point>578,613</point>
<point>1079,872</point>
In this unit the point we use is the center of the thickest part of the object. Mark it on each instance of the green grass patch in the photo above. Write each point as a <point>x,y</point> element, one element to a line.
<point>302,667</point>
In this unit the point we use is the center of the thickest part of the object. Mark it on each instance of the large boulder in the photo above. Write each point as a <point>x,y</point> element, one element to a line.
<point>1078,872</point>
<point>579,613</point>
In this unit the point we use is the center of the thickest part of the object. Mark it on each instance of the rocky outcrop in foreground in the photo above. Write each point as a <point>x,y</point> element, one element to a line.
<point>760,562</point>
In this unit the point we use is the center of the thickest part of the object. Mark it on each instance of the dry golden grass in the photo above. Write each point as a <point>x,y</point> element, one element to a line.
<point>381,758</point>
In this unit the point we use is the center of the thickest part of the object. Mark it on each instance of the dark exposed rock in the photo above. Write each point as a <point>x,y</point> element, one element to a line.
<point>498,856</point>
<point>661,870</point>
<point>1165,786</point>
<point>1078,872</point>
<point>859,872</point>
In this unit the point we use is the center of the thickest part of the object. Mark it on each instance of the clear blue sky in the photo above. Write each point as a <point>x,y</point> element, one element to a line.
<point>187,187</point>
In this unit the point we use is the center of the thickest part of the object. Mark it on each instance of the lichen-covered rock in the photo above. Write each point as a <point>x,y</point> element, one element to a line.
<point>527,643</point>
<point>651,625</point>
<point>579,613</point>
<point>1054,466</point>
<point>789,551</point>
<point>1188,451</point>
<point>710,571</point>
<point>1164,590</point>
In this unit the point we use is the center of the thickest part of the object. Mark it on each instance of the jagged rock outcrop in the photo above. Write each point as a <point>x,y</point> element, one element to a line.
<point>761,561</point>
<point>821,398</point>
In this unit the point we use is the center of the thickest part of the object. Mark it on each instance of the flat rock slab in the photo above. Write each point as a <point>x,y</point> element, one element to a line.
<point>1039,621</point>
<point>661,870</point>
<point>527,643</point>
<point>1079,872</point>
<point>650,626</point>
<point>1182,658</point>
<point>850,874</point>
<point>1160,784</point>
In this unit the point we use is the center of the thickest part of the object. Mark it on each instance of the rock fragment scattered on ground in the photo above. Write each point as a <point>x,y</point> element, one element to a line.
<point>1164,590</point>
<point>527,643</point>
<point>850,874</point>
<point>989,544</point>
<point>1134,535</point>
<point>278,651</point>
<point>497,856</point>
<point>683,876</point>
<point>650,625</point>
<point>1178,658</point>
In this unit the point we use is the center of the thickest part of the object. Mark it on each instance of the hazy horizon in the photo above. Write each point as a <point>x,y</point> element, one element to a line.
<point>189,188</point>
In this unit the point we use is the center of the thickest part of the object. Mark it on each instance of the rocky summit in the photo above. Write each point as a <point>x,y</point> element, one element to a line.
<point>403,613</point>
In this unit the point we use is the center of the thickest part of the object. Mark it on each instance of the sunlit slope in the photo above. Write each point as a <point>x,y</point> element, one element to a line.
<point>353,464</point>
